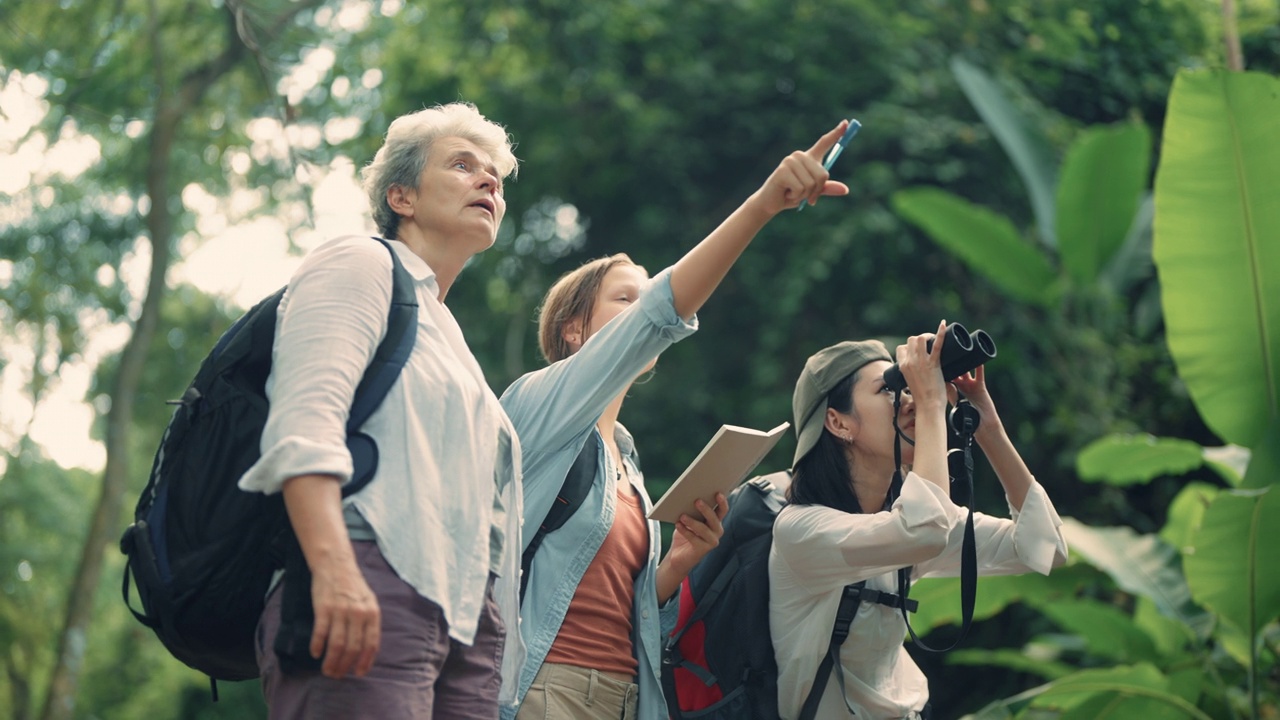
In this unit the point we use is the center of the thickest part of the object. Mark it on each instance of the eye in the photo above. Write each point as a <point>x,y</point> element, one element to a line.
<point>461,164</point>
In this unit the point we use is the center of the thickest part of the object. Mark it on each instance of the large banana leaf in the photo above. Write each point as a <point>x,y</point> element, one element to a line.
<point>1140,564</point>
<point>1186,514</point>
<point>986,242</point>
<point>1020,136</point>
<point>1099,190</point>
<point>1136,459</point>
<point>1264,464</point>
<point>1232,570</point>
<point>1106,631</point>
<point>939,598</point>
<point>1217,246</point>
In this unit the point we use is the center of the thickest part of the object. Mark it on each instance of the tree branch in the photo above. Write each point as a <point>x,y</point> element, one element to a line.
<point>1231,35</point>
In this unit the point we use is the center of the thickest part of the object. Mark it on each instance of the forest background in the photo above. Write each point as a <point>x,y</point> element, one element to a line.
<point>159,158</point>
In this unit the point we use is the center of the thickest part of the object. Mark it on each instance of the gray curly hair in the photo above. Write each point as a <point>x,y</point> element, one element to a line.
<point>403,155</point>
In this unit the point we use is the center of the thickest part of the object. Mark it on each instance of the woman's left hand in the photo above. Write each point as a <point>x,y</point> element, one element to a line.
<point>974,387</point>
<point>801,177</point>
<point>694,538</point>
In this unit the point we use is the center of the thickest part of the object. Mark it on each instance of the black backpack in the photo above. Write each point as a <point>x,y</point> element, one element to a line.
<point>718,663</point>
<point>201,551</point>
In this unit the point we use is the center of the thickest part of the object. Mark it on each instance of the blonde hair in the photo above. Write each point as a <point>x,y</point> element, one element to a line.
<point>403,155</point>
<point>571,298</point>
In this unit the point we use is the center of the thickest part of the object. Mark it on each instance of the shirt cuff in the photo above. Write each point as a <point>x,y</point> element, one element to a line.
<point>659,305</point>
<point>294,456</point>
<point>924,503</point>
<point>1037,534</point>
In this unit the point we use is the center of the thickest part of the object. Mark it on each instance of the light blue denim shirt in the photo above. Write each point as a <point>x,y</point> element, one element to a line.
<point>555,411</point>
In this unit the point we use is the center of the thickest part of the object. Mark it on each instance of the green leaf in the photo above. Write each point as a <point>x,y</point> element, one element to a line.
<point>1231,567</point>
<point>1186,513</point>
<point>986,242</point>
<point>1139,691</point>
<point>1136,459</point>
<point>1107,631</point>
<point>1020,136</point>
<point>1217,246</point>
<point>1011,659</point>
<point>1140,564</point>
<point>1169,635</point>
<point>1099,191</point>
<point>1264,462</point>
<point>939,598</point>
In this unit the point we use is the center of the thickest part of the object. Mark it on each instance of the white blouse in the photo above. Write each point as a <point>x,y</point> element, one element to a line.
<point>818,550</point>
<point>444,502</point>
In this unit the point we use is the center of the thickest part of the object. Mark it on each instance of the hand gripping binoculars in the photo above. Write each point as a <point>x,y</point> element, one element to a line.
<point>962,351</point>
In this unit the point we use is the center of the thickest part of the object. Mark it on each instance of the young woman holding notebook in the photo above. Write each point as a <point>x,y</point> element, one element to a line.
<point>590,617</point>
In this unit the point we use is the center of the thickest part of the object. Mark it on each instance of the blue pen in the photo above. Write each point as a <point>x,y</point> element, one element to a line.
<point>849,132</point>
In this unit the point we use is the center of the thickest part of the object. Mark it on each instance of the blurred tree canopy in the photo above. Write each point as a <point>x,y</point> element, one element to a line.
<point>640,125</point>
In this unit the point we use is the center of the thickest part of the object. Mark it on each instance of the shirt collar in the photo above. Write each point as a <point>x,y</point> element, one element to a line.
<point>418,268</point>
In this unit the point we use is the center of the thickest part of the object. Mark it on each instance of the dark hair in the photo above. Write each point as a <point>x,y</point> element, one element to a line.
<point>822,476</point>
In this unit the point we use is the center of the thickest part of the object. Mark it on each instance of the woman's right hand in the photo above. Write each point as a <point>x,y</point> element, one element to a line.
<point>922,367</point>
<point>348,624</point>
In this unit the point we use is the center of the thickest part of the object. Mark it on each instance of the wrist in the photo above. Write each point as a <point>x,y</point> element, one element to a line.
<point>673,568</point>
<point>757,209</point>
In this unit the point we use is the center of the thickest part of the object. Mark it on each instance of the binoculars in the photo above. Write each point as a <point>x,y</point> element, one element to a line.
<point>962,351</point>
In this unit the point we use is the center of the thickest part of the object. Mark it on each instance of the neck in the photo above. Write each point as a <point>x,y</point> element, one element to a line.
<point>436,253</point>
<point>871,478</point>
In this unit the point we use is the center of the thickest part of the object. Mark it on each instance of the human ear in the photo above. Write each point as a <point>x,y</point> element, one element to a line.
<point>571,332</point>
<point>841,425</point>
<point>400,200</point>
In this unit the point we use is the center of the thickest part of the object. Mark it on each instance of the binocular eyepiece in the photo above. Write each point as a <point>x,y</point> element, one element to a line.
<point>962,351</point>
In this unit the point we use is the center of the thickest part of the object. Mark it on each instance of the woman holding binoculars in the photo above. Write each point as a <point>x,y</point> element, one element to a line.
<point>843,525</point>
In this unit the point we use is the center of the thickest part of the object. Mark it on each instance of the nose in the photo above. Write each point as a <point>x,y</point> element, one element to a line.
<point>488,181</point>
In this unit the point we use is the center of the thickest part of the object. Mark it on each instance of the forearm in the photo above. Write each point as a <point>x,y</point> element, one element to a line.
<point>314,504</point>
<point>696,275</point>
<point>1012,472</point>
<point>930,460</point>
<point>668,579</point>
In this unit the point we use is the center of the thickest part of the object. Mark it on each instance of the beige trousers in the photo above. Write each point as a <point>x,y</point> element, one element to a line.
<point>565,692</point>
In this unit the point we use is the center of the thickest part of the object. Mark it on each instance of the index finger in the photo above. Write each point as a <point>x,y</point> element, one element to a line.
<point>827,141</point>
<point>938,339</point>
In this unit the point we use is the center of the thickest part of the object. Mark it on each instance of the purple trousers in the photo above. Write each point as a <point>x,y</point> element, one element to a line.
<point>420,673</point>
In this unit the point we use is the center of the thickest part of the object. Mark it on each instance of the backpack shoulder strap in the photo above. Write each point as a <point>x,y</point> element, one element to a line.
<point>848,610</point>
<point>577,483</point>
<point>388,360</point>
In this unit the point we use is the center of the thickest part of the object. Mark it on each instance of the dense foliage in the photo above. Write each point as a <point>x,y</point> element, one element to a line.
<point>1004,178</point>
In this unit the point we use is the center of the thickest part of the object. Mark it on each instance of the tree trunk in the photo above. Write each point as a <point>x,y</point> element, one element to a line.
<point>170,108</point>
<point>106,516</point>
<point>1231,35</point>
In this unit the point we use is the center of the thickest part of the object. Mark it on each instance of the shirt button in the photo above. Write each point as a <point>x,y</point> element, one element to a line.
<point>644,614</point>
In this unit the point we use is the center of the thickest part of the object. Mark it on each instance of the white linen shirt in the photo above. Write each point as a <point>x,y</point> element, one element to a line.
<point>448,475</point>
<point>818,550</point>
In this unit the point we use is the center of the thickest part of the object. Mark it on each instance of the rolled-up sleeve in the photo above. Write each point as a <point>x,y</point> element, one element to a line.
<point>331,320</point>
<point>827,548</point>
<point>1031,541</point>
<point>556,405</point>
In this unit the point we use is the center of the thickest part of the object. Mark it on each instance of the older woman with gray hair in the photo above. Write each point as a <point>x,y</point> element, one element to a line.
<point>407,621</point>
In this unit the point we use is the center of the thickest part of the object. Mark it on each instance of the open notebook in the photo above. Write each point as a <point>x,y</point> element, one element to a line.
<point>724,463</point>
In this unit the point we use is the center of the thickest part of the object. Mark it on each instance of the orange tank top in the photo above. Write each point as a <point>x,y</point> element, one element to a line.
<point>596,632</point>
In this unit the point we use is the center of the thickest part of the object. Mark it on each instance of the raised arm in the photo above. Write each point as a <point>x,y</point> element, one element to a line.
<point>994,441</point>
<point>800,176</point>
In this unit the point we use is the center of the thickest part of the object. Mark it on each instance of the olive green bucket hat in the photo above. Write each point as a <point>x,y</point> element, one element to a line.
<point>822,372</point>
